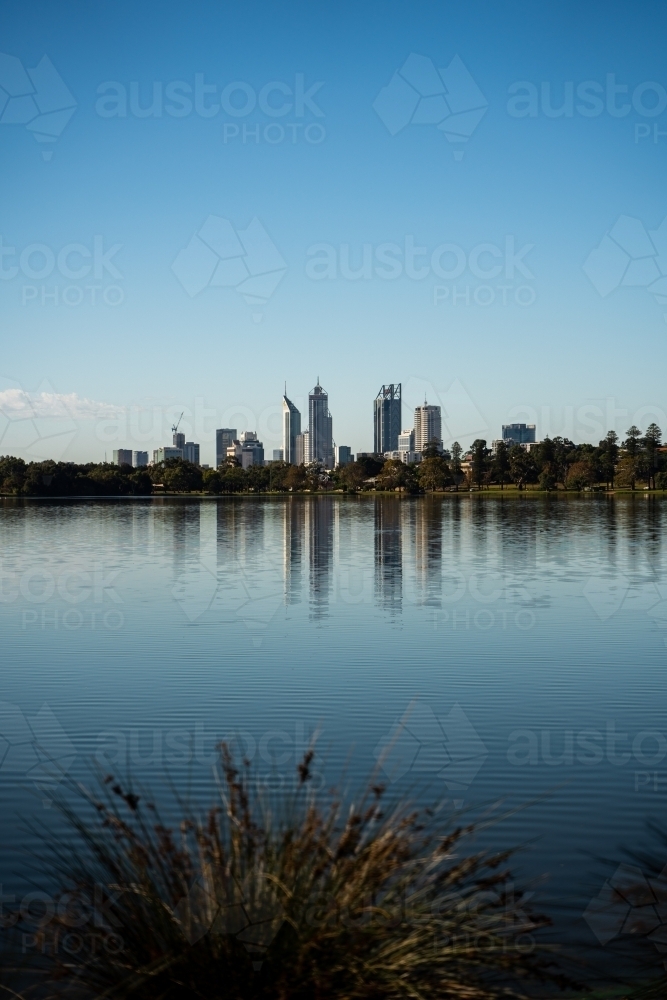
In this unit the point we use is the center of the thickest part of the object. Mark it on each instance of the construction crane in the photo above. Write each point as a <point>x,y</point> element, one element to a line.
<point>174,427</point>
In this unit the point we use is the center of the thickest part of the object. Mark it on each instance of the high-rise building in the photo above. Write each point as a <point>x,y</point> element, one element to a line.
<point>164,454</point>
<point>224,436</point>
<point>519,433</point>
<point>252,450</point>
<point>387,418</point>
<point>343,455</point>
<point>191,452</point>
<point>406,441</point>
<point>178,440</point>
<point>139,459</point>
<point>291,430</point>
<point>123,456</point>
<point>302,449</point>
<point>428,426</point>
<point>278,455</point>
<point>320,427</point>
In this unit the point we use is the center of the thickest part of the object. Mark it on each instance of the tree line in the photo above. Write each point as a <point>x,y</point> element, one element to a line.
<point>638,461</point>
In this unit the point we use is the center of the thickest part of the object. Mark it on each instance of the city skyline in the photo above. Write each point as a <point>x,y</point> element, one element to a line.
<point>357,256</point>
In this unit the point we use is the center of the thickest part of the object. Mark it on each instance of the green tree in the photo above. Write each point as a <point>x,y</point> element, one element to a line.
<point>630,464</point>
<point>651,441</point>
<point>580,475</point>
<point>432,449</point>
<point>522,466</point>
<point>393,475</point>
<point>609,457</point>
<point>455,464</point>
<point>434,473</point>
<point>478,464</point>
<point>501,464</point>
<point>296,478</point>
<point>212,480</point>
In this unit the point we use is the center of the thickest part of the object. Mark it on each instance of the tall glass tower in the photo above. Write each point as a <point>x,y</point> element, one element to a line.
<point>387,419</point>
<point>291,430</point>
<point>321,433</point>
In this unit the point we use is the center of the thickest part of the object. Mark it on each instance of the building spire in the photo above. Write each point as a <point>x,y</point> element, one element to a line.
<point>285,393</point>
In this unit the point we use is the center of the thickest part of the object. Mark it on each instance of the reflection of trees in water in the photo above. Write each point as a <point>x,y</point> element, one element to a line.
<point>319,520</point>
<point>388,554</point>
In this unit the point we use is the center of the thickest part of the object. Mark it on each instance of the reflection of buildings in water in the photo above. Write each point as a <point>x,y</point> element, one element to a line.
<point>240,533</point>
<point>294,520</point>
<point>181,521</point>
<point>427,542</point>
<point>388,554</point>
<point>319,517</point>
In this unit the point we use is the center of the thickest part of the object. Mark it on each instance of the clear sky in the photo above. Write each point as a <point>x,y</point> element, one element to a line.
<point>322,134</point>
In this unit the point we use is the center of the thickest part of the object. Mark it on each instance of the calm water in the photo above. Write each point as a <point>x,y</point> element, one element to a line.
<point>521,641</point>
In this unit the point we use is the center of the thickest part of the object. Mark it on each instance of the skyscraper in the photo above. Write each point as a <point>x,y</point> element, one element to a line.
<point>428,426</point>
<point>122,456</point>
<point>224,437</point>
<point>320,429</point>
<point>191,452</point>
<point>291,430</point>
<point>302,449</point>
<point>178,440</point>
<point>387,418</point>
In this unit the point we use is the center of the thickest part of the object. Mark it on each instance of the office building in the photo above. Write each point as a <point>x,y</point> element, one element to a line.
<point>343,455</point>
<point>278,455</point>
<point>251,450</point>
<point>320,428</point>
<point>178,440</point>
<point>224,436</point>
<point>406,441</point>
<point>191,452</point>
<point>428,426</point>
<point>519,433</point>
<point>123,456</point>
<point>291,430</point>
<point>302,449</point>
<point>164,454</point>
<point>139,459</point>
<point>387,418</point>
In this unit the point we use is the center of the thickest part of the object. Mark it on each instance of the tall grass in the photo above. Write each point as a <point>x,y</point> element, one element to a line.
<point>304,896</point>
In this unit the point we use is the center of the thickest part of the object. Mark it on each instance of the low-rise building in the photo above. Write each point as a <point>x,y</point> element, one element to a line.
<point>164,454</point>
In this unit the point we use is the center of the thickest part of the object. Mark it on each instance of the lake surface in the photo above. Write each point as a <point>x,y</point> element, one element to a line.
<point>480,648</point>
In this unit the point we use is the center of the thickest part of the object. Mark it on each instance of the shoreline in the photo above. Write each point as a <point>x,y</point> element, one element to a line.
<point>495,493</point>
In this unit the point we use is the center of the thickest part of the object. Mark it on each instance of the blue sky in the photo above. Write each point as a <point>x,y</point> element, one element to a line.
<point>325,179</point>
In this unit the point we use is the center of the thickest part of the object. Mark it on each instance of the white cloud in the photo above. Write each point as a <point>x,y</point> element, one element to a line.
<point>16,404</point>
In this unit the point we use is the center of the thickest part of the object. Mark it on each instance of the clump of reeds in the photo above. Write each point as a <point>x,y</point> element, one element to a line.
<point>312,897</point>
